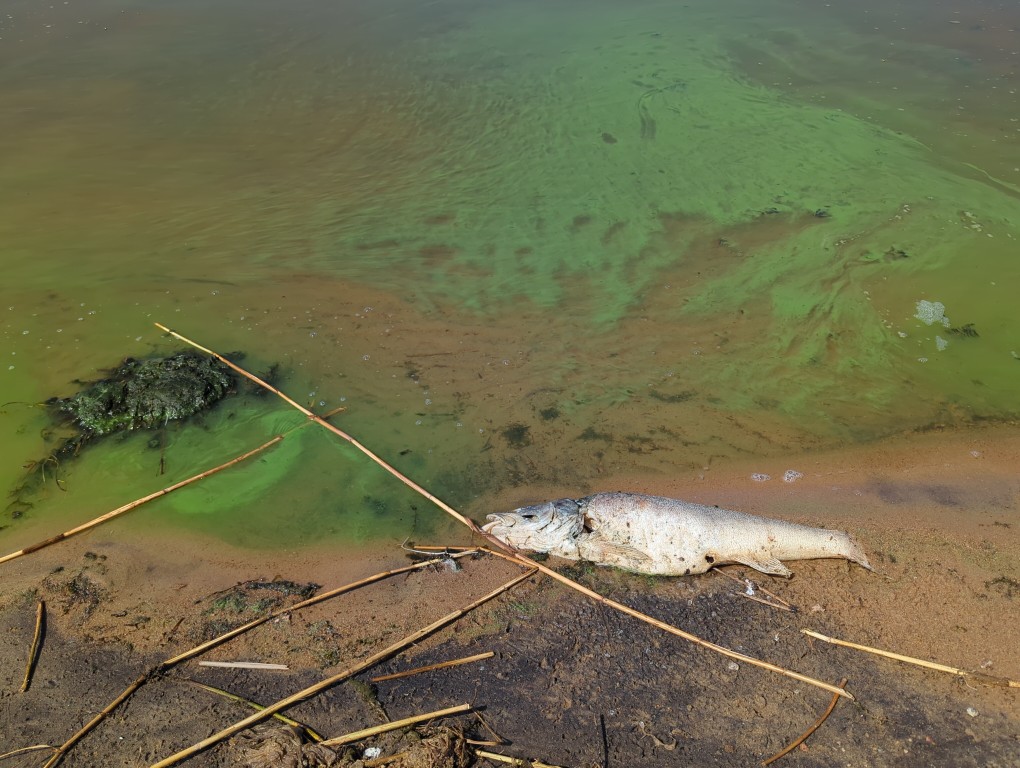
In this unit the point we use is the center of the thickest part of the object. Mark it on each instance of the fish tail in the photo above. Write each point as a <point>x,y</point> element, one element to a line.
<point>855,552</point>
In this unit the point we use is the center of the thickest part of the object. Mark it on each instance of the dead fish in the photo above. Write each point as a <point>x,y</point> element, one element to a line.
<point>656,535</point>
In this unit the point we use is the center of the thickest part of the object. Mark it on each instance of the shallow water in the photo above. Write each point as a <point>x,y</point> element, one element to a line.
<point>531,246</point>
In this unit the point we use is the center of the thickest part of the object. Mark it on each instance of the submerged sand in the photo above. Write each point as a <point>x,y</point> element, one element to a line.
<point>936,511</point>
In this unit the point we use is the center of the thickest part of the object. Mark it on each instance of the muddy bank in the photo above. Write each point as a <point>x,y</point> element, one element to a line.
<point>571,682</point>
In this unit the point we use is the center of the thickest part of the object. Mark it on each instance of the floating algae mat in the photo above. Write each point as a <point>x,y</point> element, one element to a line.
<point>137,395</point>
<point>147,394</point>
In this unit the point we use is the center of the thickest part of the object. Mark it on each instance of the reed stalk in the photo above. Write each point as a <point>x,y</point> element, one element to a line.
<point>37,637</point>
<point>431,667</point>
<point>329,682</point>
<point>138,502</point>
<point>347,738</point>
<point>506,551</point>
<point>977,677</point>
<point>197,650</point>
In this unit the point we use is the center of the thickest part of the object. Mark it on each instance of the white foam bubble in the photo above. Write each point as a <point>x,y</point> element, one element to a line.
<point>931,312</point>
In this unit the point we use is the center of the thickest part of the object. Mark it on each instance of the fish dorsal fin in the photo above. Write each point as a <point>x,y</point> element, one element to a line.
<point>600,549</point>
<point>765,563</point>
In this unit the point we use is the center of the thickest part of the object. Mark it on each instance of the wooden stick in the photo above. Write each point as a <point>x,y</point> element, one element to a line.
<point>508,552</point>
<point>63,748</point>
<point>137,503</point>
<point>334,679</point>
<point>364,734</point>
<point>33,654</point>
<point>804,736</point>
<point>314,736</point>
<point>978,677</point>
<point>171,662</point>
<point>430,667</point>
<point>242,665</point>
<point>512,760</point>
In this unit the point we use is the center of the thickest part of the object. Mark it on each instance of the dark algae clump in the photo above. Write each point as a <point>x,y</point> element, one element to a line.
<point>138,394</point>
<point>144,394</point>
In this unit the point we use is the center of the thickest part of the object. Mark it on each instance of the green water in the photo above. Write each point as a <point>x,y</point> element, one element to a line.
<point>530,244</point>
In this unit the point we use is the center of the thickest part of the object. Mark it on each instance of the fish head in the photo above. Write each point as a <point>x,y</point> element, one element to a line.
<point>552,526</point>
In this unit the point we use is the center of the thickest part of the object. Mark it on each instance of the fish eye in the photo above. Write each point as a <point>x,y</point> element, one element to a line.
<point>528,516</point>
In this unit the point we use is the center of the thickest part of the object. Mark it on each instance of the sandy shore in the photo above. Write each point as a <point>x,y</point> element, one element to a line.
<point>572,683</point>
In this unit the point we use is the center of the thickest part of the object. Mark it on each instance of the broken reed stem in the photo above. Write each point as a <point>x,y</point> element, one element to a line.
<point>23,750</point>
<point>63,748</point>
<point>347,738</point>
<point>137,503</point>
<point>164,666</point>
<point>431,667</point>
<point>334,679</point>
<point>978,677</point>
<point>200,649</point>
<point>33,654</point>
<point>335,430</point>
<point>248,702</point>
<point>244,665</point>
<point>496,757</point>
<point>505,550</point>
<point>804,736</point>
<point>679,632</point>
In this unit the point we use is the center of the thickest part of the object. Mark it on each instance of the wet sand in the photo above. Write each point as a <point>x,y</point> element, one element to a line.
<point>937,513</point>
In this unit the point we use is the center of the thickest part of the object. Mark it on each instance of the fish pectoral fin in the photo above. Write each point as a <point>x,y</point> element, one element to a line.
<point>765,563</point>
<point>599,549</point>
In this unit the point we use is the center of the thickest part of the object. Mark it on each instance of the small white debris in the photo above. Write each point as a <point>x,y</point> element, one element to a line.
<point>733,667</point>
<point>749,588</point>
<point>940,343</point>
<point>986,664</point>
<point>792,476</point>
<point>816,608</point>
<point>372,752</point>
<point>760,477</point>
<point>972,712</point>
<point>931,312</point>
<point>976,454</point>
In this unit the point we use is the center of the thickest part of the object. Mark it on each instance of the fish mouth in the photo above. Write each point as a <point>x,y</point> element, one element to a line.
<point>497,519</point>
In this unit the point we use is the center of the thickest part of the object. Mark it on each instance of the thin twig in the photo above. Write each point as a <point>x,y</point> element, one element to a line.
<point>508,552</point>
<point>977,677</point>
<point>804,736</point>
<point>496,757</point>
<point>313,735</point>
<point>365,733</point>
<point>33,654</point>
<point>334,679</point>
<point>775,602</point>
<point>137,503</point>
<point>430,667</point>
<point>23,750</point>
